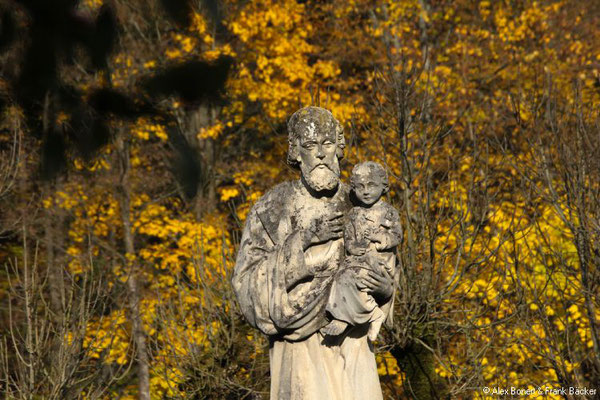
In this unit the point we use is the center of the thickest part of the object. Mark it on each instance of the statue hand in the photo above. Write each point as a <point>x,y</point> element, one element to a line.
<point>357,251</point>
<point>378,283</point>
<point>382,243</point>
<point>324,229</point>
<point>374,235</point>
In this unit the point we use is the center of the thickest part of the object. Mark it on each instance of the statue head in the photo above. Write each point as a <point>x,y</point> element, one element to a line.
<point>369,182</point>
<point>316,144</point>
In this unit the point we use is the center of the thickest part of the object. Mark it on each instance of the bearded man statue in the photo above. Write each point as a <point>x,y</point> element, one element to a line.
<point>291,248</point>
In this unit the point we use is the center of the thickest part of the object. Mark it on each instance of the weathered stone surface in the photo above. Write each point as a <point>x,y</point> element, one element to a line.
<point>290,252</point>
<point>371,234</point>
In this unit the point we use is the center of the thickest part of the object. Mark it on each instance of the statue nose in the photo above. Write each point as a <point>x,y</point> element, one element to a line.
<point>320,154</point>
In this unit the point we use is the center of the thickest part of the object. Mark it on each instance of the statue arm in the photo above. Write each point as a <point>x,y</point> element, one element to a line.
<point>251,274</point>
<point>394,234</point>
<point>264,272</point>
<point>390,235</point>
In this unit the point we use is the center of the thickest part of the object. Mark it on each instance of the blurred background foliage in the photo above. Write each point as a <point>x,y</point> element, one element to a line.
<point>136,135</point>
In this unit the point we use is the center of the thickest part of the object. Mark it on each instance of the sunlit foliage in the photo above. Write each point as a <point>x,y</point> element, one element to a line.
<point>462,101</point>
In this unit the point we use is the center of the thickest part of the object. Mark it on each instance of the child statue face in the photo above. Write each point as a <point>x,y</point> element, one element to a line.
<point>368,188</point>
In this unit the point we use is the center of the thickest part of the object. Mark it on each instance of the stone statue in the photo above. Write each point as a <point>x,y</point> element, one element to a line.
<point>291,249</point>
<point>371,235</point>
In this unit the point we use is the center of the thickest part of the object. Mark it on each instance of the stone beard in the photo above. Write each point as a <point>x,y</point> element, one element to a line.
<point>284,272</point>
<point>322,177</point>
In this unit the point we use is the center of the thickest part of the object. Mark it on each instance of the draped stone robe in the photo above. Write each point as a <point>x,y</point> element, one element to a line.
<point>283,291</point>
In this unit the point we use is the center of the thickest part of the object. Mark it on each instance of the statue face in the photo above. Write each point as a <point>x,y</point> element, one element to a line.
<point>317,157</point>
<point>368,188</point>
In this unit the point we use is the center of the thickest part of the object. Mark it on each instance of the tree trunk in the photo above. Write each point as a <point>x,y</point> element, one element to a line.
<point>418,364</point>
<point>203,117</point>
<point>139,336</point>
<point>55,273</point>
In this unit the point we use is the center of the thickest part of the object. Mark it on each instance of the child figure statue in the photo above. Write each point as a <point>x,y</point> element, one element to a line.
<point>371,235</point>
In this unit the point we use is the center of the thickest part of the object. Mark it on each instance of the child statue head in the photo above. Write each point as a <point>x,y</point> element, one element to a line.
<point>369,182</point>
